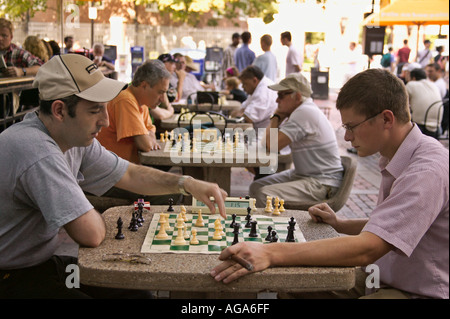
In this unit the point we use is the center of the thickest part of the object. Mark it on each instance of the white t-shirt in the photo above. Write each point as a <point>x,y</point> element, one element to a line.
<point>293,57</point>
<point>422,94</point>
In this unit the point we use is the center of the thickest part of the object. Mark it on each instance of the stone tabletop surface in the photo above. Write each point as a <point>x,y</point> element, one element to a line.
<point>190,272</point>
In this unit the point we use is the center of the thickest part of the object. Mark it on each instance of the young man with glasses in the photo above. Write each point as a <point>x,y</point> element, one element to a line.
<point>301,125</point>
<point>407,234</point>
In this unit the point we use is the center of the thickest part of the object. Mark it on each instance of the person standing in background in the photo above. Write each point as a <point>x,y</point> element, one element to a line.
<point>294,58</point>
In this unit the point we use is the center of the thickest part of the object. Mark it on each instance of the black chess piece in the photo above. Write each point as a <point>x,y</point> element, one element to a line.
<point>248,218</point>
<point>269,234</point>
<point>134,223</point>
<point>170,209</point>
<point>253,231</point>
<point>233,221</point>
<point>290,235</point>
<point>119,227</point>
<point>236,233</point>
<point>274,236</point>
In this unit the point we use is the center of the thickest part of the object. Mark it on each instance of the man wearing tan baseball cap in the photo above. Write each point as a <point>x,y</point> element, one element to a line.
<point>317,171</point>
<point>48,161</point>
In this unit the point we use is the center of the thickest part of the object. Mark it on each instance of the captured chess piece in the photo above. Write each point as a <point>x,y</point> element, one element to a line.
<point>269,207</point>
<point>119,229</point>
<point>133,223</point>
<point>170,209</point>
<point>276,210</point>
<point>282,209</point>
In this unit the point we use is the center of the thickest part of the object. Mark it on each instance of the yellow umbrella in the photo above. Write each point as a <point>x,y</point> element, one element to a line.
<point>410,12</point>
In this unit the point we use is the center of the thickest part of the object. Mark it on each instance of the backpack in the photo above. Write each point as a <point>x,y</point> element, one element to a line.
<point>386,60</point>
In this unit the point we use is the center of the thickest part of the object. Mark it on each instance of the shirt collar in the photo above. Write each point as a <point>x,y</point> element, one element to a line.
<point>403,155</point>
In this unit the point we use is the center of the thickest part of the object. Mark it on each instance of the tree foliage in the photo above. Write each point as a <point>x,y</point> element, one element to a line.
<point>19,9</point>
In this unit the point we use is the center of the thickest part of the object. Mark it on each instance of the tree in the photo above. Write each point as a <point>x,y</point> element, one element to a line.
<point>21,9</point>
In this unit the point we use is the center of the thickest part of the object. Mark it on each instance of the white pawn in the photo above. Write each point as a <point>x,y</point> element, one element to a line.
<point>269,207</point>
<point>194,240</point>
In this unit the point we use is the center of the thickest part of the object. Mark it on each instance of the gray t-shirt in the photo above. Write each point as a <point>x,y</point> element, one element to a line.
<point>42,189</point>
<point>315,152</point>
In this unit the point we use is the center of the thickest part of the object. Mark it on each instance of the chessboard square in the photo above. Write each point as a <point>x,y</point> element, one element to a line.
<point>256,239</point>
<point>212,240</point>
<point>179,247</point>
<point>216,247</point>
<point>157,241</point>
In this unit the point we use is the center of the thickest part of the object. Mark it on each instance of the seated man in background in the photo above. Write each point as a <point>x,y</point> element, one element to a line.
<point>318,171</point>
<point>97,55</point>
<point>422,94</point>
<point>59,159</point>
<point>130,128</point>
<point>407,235</point>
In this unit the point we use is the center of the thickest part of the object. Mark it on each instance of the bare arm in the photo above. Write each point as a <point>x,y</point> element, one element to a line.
<point>87,230</point>
<point>150,181</point>
<point>147,142</point>
<point>162,113</point>
<point>340,251</point>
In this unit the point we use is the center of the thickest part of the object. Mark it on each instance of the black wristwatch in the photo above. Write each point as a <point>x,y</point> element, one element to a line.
<point>276,115</point>
<point>24,71</point>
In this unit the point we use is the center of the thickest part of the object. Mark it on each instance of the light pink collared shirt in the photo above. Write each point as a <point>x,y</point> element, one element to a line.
<point>412,214</point>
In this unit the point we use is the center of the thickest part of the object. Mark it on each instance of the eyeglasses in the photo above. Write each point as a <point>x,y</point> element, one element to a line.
<point>281,95</point>
<point>352,127</point>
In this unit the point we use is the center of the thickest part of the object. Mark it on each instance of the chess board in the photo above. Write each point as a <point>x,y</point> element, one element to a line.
<point>207,245</point>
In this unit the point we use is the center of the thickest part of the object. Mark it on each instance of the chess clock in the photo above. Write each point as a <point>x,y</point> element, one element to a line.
<point>233,205</point>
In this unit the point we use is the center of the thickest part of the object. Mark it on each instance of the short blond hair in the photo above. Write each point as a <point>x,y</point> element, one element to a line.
<point>233,82</point>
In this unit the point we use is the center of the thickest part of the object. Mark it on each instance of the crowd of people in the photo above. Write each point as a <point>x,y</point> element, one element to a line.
<point>88,131</point>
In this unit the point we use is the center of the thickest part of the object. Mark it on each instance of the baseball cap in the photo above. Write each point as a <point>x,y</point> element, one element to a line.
<point>74,74</point>
<point>412,66</point>
<point>166,57</point>
<point>295,82</point>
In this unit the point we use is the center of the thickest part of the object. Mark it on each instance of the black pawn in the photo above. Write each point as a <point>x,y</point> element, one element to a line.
<point>233,222</point>
<point>236,234</point>
<point>269,233</point>
<point>170,209</point>
<point>248,218</point>
<point>274,236</point>
<point>134,223</point>
<point>119,227</point>
<point>253,232</point>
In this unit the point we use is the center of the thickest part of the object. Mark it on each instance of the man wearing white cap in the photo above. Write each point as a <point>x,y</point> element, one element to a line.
<point>47,162</point>
<point>317,172</point>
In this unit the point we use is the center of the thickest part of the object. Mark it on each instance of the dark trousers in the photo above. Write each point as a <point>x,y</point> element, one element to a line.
<point>48,281</point>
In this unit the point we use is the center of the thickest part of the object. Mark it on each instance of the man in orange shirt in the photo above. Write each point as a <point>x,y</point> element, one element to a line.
<point>131,129</point>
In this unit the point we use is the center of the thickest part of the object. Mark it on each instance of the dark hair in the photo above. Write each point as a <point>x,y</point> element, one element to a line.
<point>418,74</point>
<point>67,38</point>
<point>287,35</point>
<point>436,66</point>
<point>250,72</point>
<point>372,91</point>
<point>246,36</point>
<point>45,107</point>
<point>236,36</point>
<point>55,47</point>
